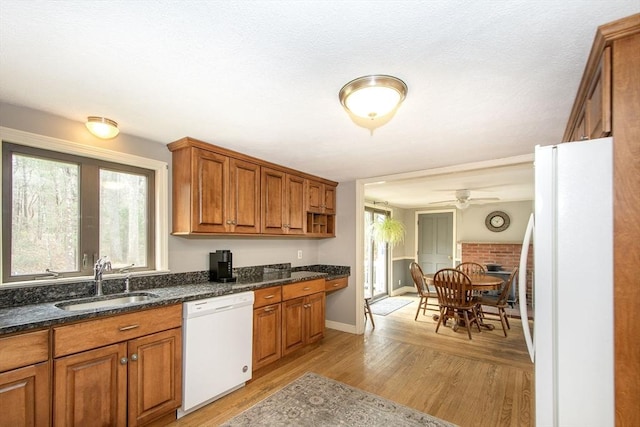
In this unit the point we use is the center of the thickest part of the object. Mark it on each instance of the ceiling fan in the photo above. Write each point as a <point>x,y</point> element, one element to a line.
<point>463,199</point>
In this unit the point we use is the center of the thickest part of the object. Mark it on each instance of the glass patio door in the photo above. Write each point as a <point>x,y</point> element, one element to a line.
<point>376,258</point>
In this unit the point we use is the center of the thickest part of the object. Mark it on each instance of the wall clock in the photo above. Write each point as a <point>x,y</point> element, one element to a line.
<point>497,221</point>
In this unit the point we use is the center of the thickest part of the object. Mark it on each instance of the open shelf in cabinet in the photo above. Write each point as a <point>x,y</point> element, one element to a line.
<point>320,224</point>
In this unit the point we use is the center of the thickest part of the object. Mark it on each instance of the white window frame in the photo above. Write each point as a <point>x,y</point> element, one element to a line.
<point>161,170</point>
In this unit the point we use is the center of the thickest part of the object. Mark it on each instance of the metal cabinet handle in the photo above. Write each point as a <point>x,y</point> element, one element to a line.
<point>306,288</point>
<point>134,357</point>
<point>268,309</point>
<point>123,361</point>
<point>336,284</point>
<point>128,328</point>
<point>269,296</point>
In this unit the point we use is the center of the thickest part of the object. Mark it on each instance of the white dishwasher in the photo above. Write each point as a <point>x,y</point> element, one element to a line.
<point>217,348</point>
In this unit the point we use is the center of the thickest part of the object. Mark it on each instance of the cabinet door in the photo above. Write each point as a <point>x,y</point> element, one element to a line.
<point>24,396</point>
<point>329,199</point>
<point>314,317</point>
<point>210,189</point>
<point>315,196</point>
<point>244,193</point>
<point>293,333</point>
<point>267,335</point>
<point>272,195</point>
<point>155,375</point>
<point>294,205</point>
<point>90,388</point>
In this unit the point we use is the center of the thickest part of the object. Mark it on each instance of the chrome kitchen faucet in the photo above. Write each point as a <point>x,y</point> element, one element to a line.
<point>103,264</point>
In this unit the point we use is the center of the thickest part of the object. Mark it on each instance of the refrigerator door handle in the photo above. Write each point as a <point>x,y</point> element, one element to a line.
<point>522,295</point>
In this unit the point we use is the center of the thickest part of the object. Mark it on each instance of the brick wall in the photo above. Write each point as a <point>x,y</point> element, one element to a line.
<point>505,254</point>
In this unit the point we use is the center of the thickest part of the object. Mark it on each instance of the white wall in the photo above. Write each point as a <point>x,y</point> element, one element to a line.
<point>342,251</point>
<point>471,222</point>
<point>471,227</point>
<point>191,254</point>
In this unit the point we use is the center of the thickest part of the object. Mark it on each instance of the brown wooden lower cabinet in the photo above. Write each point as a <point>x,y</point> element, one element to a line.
<point>24,396</point>
<point>127,373</point>
<point>24,380</point>
<point>302,321</point>
<point>91,388</point>
<point>267,335</point>
<point>281,328</point>
<point>141,378</point>
<point>155,375</point>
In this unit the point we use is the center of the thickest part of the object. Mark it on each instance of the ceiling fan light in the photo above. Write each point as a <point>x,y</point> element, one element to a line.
<point>102,127</point>
<point>462,204</point>
<point>373,96</point>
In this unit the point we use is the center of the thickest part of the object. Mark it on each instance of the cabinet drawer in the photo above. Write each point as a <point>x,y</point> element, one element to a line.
<point>266,296</point>
<point>24,349</point>
<point>296,290</point>
<point>96,333</point>
<point>335,284</point>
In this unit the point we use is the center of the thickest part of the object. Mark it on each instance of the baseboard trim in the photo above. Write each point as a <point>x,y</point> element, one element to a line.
<point>344,327</point>
<point>402,290</point>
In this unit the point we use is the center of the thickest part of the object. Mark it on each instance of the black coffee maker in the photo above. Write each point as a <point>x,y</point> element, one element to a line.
<point>221,266</point>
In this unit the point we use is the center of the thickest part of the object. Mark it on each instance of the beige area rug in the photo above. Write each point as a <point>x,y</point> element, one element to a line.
<point>313,400</point>
<point>388,305</point>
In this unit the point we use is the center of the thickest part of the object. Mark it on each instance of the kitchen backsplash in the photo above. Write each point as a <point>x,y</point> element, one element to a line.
<point>36,294</point>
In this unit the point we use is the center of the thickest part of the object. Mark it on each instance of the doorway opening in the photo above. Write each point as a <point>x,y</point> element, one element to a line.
<point>376,257</point>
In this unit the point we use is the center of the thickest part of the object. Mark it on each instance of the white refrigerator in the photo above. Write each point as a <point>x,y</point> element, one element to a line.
<point>572,229</point>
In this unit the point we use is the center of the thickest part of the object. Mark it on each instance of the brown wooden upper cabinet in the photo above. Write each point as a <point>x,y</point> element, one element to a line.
<point>219,191</point>
<point>282,202</point>
<point>591,117</point>
<point>321,197</point>
<point>214,193</point>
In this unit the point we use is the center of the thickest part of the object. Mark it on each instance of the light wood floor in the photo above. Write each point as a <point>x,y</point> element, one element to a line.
<point>487,381</point>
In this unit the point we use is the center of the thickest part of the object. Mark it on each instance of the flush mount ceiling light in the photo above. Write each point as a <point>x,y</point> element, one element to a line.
<point>102,127</point>
<point>373,97</point>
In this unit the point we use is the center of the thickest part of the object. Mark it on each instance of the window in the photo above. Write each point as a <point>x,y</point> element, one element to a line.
<point>62,211</point>
<point>376,257</point>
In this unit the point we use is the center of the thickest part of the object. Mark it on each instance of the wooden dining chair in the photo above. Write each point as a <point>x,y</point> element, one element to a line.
<point>424,291</point>
<point>367,312</point>
<point>455,297</point>
<point>500,302</point>
<point>469,268</point>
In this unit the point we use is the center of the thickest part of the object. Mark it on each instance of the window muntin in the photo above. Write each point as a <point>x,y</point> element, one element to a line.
<point>96,235</point>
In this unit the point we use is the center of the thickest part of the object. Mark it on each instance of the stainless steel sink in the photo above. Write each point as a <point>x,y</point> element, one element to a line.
<point>105,302</point>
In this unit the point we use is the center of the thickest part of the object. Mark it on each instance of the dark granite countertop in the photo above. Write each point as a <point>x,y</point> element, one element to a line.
<point>28,317</point>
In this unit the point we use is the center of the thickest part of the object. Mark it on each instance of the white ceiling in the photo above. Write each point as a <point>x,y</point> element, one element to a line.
<point>512,182</point>
<point>487,79</point>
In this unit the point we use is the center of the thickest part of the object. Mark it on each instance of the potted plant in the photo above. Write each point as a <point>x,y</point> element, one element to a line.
<point>388,230</point>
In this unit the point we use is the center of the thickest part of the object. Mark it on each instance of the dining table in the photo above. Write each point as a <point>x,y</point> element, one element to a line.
<point>479,283</point>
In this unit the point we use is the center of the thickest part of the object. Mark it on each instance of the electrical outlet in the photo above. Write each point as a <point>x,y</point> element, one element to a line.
<point>399,281</point>
<point>299,254</point>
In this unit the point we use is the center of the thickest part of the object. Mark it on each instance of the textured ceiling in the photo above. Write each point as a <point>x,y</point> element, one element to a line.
<point>496,184</point>
<point>487,79</point>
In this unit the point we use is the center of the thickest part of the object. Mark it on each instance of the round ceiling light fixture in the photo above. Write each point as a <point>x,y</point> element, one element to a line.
<point>374,96</point>
<point>102,127</point>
